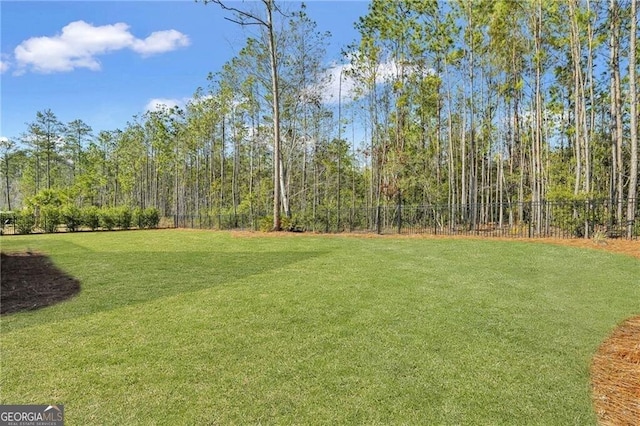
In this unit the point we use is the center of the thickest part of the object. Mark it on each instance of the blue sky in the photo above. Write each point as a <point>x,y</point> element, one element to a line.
<point>104,62</point>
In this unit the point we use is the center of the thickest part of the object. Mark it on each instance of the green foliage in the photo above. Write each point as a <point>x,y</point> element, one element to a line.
<point>108,218</point>
<point>49,218</point>
<point>291,224</point>
<point>147,218</point>
<point>71,216</point>
<point>151,217</point>
<point>6,217</point>
<point>48,197</point>
<point>266,224</point>
<point>91,217</point>
<point>137,217</point>
<point>123,217</point>
<point>443,97</point>
<point>25,221</point>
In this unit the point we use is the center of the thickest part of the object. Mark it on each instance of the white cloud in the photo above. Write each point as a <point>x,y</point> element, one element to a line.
<point>345,92</point>
<point>157,104</point>
<point>385,72</point>
<point>5,62</point>
<point>160,41</point>
<point>335,91</point>
<point>79,44</point>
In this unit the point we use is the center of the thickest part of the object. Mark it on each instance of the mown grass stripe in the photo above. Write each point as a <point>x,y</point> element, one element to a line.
<point>316,330</point>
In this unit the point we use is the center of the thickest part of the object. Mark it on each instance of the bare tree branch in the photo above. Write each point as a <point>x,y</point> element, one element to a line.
<point>244,18</point>
<point>243,23</point>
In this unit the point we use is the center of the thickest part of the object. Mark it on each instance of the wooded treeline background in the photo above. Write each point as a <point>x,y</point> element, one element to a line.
<point>467,104</point>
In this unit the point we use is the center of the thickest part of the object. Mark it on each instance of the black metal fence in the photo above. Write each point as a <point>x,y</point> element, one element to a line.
<point>556,219</point>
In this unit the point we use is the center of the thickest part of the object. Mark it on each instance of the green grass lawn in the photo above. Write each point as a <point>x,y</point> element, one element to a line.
<point>187,327</point>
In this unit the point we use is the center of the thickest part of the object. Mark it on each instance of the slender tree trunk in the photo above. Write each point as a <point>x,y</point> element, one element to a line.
<point>537,151</point>
<point>222,166</point>
<point>632,199</point>
<point>463,170</point>
<point>616,108</point>
<point>236,170</point>
<point>590,132</point>
<point>473,162</point>
<point>6,176</point>
<point>277,160</point>
<point>453,198</point>
<point>577,92</point>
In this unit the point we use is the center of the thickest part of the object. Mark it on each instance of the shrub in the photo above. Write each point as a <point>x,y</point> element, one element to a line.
<point>137,217</point>
<point>151,217</point>
<point>25,221</point>
<point>7,218</point>
<point>294,223</point>
<point>291,224</point>
<point>147,218</point>
<point>123,217</point>
<point>48,197</point>
<point>72,217</point>
<point>91,217</point>
<point>266,224</point>
<point>108,217</point>
<point>49,218</point>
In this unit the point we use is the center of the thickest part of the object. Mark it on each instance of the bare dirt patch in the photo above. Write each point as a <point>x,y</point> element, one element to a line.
<point>30,281</point>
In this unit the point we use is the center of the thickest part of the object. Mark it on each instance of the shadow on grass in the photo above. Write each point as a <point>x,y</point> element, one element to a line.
<point>30,281</point>
<point>113,280</point>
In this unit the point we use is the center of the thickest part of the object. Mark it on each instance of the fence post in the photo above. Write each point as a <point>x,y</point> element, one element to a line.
<point>326,229</point>
<point>530,216</point>
<point>587,216</point>
<point>378,214</point>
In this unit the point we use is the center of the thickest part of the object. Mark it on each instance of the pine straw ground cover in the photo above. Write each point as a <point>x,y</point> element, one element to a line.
<point>615,376</point>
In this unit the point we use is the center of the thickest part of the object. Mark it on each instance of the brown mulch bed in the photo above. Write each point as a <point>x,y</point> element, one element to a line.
<point>30,281</point>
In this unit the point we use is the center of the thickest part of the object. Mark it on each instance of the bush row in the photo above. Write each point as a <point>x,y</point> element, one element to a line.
<point>50,217</point>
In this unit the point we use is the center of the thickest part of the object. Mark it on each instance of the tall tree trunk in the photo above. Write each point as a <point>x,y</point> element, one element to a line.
<point>632,197</point>
<point>537,152</point>
<point>579,100</point>
<point>277,160</point>
<point>590,131</point>
<point>473,161</point>
<point>222,166</point>
<point>615,108</point>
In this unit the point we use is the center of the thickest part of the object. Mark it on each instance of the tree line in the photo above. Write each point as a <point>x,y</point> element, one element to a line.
<point>474,105</point>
